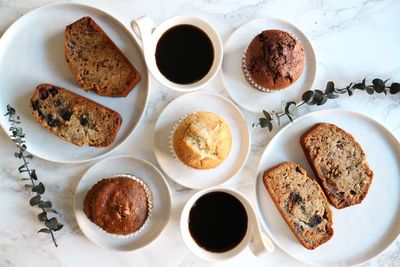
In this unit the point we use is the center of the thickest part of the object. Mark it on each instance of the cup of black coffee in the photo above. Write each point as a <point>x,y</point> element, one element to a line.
<point>183,53</point>
<point>218,223</point>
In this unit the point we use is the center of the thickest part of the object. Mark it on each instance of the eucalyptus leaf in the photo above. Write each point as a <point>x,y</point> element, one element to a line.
<point>349,91</point>
<point>318,95</point>
<point>263,122</point>
<point>35,200</point>
<point>369,90</point>
<point>379,85</point>
<point>53,224</point>
<point>50,210</point>
<point>330,87</point>
<point>359,86</point>
<point>267,116</point>
<point>289,117</point>
<point>394,88</point>
<point>269,126</point>
<point>44,230</point>
<point>45,204</point>
<point>33,174</point>
<point>17,137</point>
<point>42,216</point>
<point>322,100</point>
<point>332,96</point>
<point>308,96</point>
<point>39,188</point>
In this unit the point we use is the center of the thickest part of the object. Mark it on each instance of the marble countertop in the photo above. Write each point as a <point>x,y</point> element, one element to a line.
<point>352,40</point>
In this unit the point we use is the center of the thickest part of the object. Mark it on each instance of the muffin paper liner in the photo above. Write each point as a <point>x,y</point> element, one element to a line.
<point>171,139</point>
<point>149,206</point>
<point>247,74</point>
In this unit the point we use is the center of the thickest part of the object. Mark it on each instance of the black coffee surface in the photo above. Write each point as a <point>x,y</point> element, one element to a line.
<point>184,54</point>
<point>218,221</point>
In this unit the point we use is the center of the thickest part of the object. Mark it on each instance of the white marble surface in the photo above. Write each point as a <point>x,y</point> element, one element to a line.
<point>352,39</point>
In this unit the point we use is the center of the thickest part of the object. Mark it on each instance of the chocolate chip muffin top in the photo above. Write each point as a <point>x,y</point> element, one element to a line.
<point>118,205</point>
<point>273,60</point>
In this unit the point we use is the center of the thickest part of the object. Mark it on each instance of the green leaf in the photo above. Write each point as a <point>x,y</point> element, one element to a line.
<point>359,86</point>
<point>379,85</point>
<point>332,96</point>
<point>267,116</point>
<point>35,200</point>
<point>22,168</point>
<point>318,95</point>
<point>370,90</point>
<point>42,216</point>
<point>322,100</point>
<point>53,224</point>
<point>45,204</point>
<point>394,88</point>
<point>50,210</point>
<point>33,174</point>
<point>269,126</point>
<point>349,91</point>
<point>291,108</point>
<point>38,188</point>
<point>330,87</point>
<point>289,117</point>
<point>44,230</point>
<point>263,122</point>
<point>308,96</point>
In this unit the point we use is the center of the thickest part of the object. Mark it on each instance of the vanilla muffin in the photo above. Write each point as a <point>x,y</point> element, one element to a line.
<point>202,140</point>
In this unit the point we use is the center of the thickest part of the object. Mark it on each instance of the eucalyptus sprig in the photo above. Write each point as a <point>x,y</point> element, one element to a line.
<point>51,224</point>
<point>319,97</point>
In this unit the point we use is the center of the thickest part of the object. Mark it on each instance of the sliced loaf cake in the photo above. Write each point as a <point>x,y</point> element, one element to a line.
<point>74,118</point>
<point>339,163</point>
<point>97,63</point>
<point>301,202</point>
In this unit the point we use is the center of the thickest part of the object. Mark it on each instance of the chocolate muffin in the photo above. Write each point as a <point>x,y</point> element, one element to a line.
<point>274,60</point>
<point>202,140</point>
<point>119,205</point>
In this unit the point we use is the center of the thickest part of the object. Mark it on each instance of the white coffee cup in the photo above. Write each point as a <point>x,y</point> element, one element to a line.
<point>258,242</point>
<point>148,36</point>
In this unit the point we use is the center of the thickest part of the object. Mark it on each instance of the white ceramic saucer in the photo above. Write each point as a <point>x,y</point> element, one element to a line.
<point>154,180</point>
<point>201,101</point>
<point>32,52</point>
<point>362,231</point>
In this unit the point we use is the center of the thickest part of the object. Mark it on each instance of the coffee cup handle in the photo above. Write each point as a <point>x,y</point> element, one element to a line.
<point>142,28</point>
<point>260,244</point>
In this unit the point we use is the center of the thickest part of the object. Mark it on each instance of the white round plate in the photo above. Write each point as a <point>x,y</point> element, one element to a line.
<point>235,83</point>
<point>201,101</point>
<point>362,231</point>
<point>32,52</point>
<point>149,174</point>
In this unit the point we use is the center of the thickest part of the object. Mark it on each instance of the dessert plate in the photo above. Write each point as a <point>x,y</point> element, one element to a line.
<point>232,75</point>
<point>155,181</point>
<point>362,231</point>
<point>32,52</point>
<point>189,103</point>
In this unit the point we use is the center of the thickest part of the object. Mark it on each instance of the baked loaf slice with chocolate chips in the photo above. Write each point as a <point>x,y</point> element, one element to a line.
<point>74,118</point>
<point>339,163</point>
<point>96,61</point>
<point>301,202</point>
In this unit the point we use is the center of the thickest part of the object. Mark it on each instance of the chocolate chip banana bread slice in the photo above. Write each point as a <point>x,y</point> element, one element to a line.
<point>339,163</point>
<point>301,202</point>
<point>97,63</point>
<point>74,118</point>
